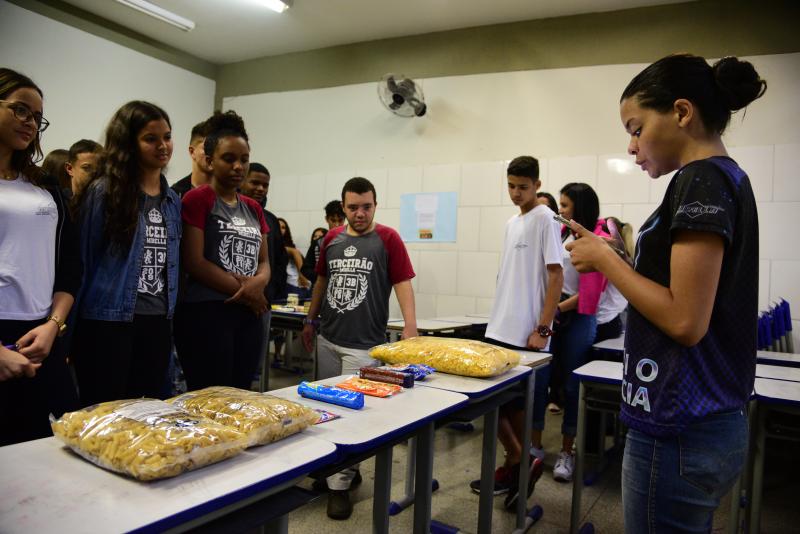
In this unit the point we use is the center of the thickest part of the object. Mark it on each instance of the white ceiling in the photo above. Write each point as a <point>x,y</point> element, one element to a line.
<point>227,31</point>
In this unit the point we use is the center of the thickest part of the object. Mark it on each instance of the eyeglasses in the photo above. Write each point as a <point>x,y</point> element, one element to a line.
<point>23,113</point>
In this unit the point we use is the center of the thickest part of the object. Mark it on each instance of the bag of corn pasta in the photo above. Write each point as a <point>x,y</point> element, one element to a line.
<point>146,438</point>
<point>263,418</point>
<point>463,357</point>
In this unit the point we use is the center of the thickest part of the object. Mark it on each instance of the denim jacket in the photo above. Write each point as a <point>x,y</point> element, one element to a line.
<point>111,274</point>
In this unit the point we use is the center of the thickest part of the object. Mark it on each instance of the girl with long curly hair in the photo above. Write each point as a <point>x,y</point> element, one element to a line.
<point>130,245</point>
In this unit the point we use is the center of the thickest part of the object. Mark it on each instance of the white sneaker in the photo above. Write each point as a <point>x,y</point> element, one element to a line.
<point>564,467</point>
<point>537,453</point>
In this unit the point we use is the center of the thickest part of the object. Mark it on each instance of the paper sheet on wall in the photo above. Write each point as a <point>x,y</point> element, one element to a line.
<point>428,217</point>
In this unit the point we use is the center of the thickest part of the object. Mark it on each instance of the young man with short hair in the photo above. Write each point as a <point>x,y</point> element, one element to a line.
<point>359,265</point>
<point>200,174</point>
<point>256,186</point>
<point>528,290</point>
<point>334,216</point>
<point>82,161</point>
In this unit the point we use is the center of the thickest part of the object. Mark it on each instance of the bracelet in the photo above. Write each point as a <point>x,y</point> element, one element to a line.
<point>312,322</point>
<point>62,325</point>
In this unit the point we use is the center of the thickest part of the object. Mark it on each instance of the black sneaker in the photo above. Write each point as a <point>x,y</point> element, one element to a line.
<point>535,473</point>
<point>320,485</point>
<point>339,505</point>
<point>502,481</point>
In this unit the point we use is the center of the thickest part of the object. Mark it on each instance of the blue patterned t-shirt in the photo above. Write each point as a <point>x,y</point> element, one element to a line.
<point>666,385</point>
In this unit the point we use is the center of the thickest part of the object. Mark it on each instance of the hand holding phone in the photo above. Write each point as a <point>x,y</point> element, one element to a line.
<point>561,219</point>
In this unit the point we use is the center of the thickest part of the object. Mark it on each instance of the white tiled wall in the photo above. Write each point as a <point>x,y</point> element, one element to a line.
<point>456,278</point>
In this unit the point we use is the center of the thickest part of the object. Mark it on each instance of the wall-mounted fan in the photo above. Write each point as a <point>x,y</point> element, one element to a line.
<point>402,96</point>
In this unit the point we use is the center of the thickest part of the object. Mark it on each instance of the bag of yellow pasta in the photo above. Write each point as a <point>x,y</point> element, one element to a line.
<point>146,438</point>
<point>463,357</point>
<point>263,418</point>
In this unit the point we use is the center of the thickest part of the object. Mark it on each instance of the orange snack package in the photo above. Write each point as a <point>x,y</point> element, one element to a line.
<point>370,387</point>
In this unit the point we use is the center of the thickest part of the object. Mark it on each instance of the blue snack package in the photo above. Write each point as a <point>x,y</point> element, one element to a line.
<point>332,395</point>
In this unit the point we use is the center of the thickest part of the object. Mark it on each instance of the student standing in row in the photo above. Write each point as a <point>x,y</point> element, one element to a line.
<point>40,270</point>
<point>359,265</point>
<point>129,243</point>
<point>84,157</point>
<point>528,288</point>
<point>256,186</point>
<point>218,330</point>
<point>575,330</point>
<point>295,281</point>
<point>690,342</point>
<point>54,165</point>
<point>334,217</point>
<point>200,174</point>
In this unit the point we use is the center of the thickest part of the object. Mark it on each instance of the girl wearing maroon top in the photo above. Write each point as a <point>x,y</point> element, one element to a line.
<point>218,329</point>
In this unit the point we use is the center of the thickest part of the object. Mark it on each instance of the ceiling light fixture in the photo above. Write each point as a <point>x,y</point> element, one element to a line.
<point>160,13</point>
<point>279,6</point>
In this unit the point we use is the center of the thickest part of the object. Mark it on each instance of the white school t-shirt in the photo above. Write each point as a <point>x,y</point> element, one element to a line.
<point>611,304</point>
<point>571,275</point>
<point>531,243</point>
<point>28,222</point>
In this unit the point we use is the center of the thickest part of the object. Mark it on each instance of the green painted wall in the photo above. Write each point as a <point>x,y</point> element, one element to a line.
<point>711,28</point>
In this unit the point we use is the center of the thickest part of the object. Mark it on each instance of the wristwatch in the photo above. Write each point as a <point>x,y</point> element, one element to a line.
<point>544,330</point>
<point>62,326</point>
<point>312,322</point>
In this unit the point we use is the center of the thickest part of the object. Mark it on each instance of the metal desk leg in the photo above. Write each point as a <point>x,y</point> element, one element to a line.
<point>395,507</point>
<point>758,469</point>
<point>524,462</point>
<point>382,491</point>
<point>577,476</point>
<point>487,471</point>
<point>263,383</point>
<point>524,521</point>
<point>424,480</point>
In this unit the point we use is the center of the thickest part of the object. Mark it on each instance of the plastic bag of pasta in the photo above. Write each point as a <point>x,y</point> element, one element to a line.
<point>463,357</point>
<point>263,418</point>
<point>146,438</point>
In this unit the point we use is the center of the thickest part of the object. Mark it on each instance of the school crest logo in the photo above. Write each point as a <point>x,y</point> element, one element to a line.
<point>347,290</point>
<point>155,216</point>
<point>238,254</point>
<point>151,279</point>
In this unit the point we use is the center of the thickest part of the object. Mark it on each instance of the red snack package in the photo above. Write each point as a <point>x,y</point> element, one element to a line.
<point>369,387</point>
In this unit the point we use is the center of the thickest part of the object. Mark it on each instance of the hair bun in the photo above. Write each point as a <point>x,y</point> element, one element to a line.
<point>228,121</point>
<point>738,82</point>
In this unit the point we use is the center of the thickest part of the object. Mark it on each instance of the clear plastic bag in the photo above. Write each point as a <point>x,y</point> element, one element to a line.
<point>146,439</point>
<point>463,357</point>
<point>263,418</point>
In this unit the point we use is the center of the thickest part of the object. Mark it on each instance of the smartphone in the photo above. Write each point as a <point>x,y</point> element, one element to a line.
<point>561,219</point>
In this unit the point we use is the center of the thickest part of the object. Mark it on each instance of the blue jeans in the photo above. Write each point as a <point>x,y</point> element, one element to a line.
<point>570,347</point>
<point>675,484</point>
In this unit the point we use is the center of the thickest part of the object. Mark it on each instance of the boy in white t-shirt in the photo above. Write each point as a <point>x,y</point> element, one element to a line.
<point>528,290</point>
